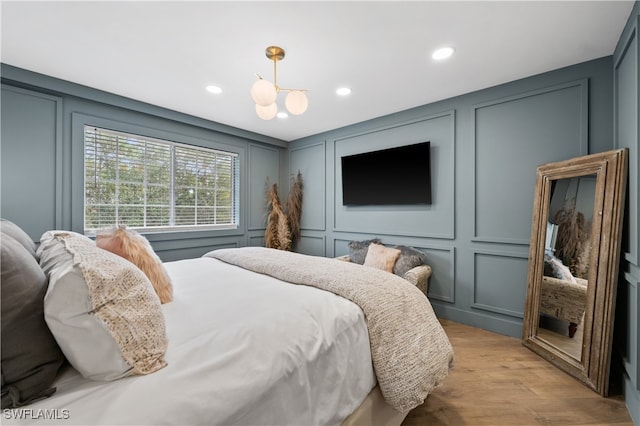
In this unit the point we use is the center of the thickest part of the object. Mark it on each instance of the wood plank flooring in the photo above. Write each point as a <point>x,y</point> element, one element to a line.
<point>497,381</point>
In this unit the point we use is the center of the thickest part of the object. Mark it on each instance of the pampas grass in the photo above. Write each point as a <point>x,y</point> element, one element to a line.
<point>294,207</point>
<point>572,244</point>
<point>283,224</point>
<point>276,221</point>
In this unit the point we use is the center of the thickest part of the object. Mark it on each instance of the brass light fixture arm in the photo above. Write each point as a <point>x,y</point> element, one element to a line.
<point>275,54</point>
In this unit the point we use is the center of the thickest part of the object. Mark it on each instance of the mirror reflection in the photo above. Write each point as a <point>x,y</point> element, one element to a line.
<point>563,293</point>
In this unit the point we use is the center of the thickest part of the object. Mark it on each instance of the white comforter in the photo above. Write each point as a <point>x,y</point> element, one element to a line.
<point>244,349</point>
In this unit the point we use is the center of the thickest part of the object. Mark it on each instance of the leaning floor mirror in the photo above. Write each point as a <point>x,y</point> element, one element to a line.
<point>573,264</point>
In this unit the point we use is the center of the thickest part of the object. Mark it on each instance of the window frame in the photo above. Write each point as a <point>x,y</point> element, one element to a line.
<point>182,134</point>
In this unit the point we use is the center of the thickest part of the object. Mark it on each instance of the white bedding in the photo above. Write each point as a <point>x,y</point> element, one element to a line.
<point>244,349</point>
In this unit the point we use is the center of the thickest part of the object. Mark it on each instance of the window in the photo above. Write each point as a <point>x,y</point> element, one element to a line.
<point>153,184</point>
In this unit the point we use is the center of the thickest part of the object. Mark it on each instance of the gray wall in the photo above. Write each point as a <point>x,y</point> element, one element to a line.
<point>627,134</point>
<point>42,158</point>
<point>485,147</point>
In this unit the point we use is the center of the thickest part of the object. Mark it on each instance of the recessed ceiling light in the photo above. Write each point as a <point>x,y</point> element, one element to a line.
<point>442,53</point>
<point>214,89</point>
<point>282,114</point>
<point>343,91</point>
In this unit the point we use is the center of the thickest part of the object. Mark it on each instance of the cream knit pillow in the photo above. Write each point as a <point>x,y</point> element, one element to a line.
<point>101,309</point>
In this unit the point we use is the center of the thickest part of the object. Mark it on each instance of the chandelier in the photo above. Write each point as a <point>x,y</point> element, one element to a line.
<point>264,93</point>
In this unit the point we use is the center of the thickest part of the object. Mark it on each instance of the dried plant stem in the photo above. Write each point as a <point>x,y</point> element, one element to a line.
<point>283,225</point>
<point>294,207</point>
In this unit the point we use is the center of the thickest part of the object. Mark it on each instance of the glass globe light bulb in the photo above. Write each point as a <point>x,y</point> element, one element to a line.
<point>263,92</point>
<point>267,112</point>
<point>296,102</point>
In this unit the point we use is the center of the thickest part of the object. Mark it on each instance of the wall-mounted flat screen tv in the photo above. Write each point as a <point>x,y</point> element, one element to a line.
<point>394,176</point>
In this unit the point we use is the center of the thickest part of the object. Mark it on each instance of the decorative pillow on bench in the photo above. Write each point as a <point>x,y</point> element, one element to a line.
<point>406,259</point>
<point>358,250</point>
<point>409,258</point>
<point>406,262</point>
<point>381,257</point>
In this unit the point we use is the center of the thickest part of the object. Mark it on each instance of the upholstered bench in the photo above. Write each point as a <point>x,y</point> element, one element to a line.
<point>406,262</point>
<point>418,276</point>
<point>564,299</point>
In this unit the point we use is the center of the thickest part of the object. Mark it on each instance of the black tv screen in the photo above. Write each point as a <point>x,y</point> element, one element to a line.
<point>397,176</point>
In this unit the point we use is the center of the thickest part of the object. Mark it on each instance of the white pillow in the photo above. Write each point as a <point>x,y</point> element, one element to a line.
<point>101,309</point>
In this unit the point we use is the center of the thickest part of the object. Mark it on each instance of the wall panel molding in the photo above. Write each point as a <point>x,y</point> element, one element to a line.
<point>255,240</point>
<point>525,131</point>
<point>312,245</point>
<point>265,164</point>
<point>310,160</point>
<point>632,298</point>
<point>426,221</point>
<point>500,282</point>
<point>442,283</point>
<point>627,131</point>
<point>32,124</point>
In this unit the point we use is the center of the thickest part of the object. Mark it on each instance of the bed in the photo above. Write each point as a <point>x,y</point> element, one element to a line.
<point>247,347</point>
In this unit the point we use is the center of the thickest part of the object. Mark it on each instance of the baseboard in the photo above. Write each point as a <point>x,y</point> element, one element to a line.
<point>506,327</point>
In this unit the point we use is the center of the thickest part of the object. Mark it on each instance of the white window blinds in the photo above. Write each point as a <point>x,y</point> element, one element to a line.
<point>156,185</point>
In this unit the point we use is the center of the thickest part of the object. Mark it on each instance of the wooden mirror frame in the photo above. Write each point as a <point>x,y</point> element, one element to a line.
<point>610,169</point>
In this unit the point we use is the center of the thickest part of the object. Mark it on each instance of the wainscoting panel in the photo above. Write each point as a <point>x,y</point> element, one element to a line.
<point>442,282</point>
<point>631,299</point>
<point>314,246</point>
<point>435,220</point>
<point>255,240</point>
<point>626,110</point>
<point>500,282</point>
<point>627,104</point>
<point>341,247</point>
<point>512,136</point>
<point>310,160</point>
<point>265,164</point>
<point>173,252</point>
<point>31,160</point>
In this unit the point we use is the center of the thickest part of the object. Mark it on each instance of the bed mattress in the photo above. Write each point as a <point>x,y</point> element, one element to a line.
<point>244,348</point>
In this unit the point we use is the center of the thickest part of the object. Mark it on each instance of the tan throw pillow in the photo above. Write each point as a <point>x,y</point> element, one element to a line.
<point>136,249</point>
<point>381,257</point>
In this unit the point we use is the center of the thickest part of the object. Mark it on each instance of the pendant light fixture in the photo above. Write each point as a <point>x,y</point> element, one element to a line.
<point>265,93</point>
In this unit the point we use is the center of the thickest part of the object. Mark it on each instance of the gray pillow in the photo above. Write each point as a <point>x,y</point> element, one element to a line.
<point>409,259</point>
<point>30,355</point>
<point>554,268</point>
<point>19,235</point>
<point>358,250</point>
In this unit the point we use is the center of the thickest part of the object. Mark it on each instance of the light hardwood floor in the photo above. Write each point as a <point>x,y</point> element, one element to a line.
<point>497,381</point>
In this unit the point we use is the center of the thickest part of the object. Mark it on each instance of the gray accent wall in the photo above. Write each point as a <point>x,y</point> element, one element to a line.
<point>31,131</point>
<point>626,74</point>
<point>42,175</point>
<point>485,147</point>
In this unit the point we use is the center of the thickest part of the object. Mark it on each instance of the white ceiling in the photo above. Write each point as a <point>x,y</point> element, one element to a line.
<point>165,53</point>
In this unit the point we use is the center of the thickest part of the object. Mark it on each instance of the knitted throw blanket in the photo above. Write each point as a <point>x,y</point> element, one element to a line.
<point>410,351</point>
